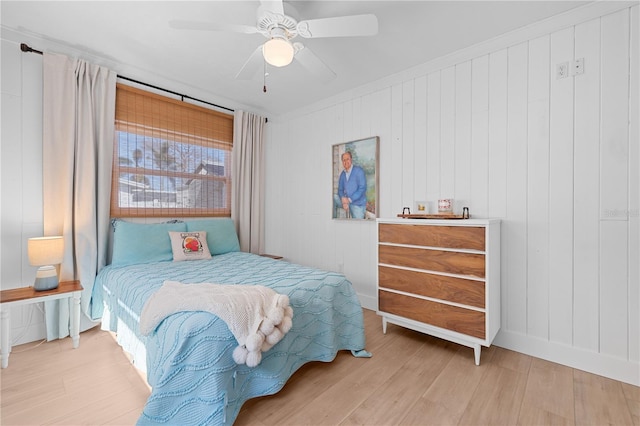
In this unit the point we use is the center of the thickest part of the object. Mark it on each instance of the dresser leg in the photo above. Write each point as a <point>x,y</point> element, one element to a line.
<point>476,353</point>
<point>384,325</point>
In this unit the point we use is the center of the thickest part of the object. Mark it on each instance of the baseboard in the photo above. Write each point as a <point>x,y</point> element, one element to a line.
<point>608,366</point>
<point>368,302</point>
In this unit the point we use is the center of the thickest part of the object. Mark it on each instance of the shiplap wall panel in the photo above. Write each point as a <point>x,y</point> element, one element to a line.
<point>343,233</point>
<point>420,135</point>
<point>479,168</point>
<point>561,180</point>
<point>586,219</point>
<point>351,120</point>
<point>497,162</point>
<point>309,209</point>
<point>447,132</point>
<point>276,195</point>
<point>537,189</point>
<point>13,245</point>
<point>395,166</point>
<point>296,162</point>
<point>382,129</point>
<point>366,113</point>
<point>515,225</point>
<point>324,207</point>
<point>31,146</point>
<point>614,184</point>
<point>613,319</point>
<point>634,193</point>
<point>462,149</point>
<point>408,143</point>
<point>433,140</point>
<point>614,115</point>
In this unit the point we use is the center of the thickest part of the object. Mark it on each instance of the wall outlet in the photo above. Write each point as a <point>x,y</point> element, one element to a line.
<point>577,66</point>
<point>562,70</point>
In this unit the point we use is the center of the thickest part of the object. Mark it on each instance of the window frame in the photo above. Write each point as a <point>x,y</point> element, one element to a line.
<point>167,119</point>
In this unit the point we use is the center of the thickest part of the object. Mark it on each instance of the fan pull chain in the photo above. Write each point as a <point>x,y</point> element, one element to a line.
<point>264,76</point>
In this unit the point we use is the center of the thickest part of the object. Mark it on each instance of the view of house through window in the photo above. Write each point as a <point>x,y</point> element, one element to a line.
<point>171,158</point>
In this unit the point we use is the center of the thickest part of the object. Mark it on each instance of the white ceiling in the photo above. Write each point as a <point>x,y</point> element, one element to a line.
<point>135,39</point>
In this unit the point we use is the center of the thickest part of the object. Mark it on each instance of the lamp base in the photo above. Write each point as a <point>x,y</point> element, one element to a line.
<point>46,279</point>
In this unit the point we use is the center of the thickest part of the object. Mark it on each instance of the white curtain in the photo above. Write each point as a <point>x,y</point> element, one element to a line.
<point>78,134</point>
<point>247,197</point>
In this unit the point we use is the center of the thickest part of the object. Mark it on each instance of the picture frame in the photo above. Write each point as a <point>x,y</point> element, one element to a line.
<point>356,202</point>
<point>421,207</point>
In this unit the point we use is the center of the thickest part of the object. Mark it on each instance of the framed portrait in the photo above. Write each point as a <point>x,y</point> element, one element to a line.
<point>355,179</point>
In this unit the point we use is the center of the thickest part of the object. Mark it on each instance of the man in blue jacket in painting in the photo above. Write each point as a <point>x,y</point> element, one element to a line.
<point>352,188</point>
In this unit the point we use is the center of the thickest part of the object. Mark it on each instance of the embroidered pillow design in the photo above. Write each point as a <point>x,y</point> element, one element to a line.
<point>189,246</point>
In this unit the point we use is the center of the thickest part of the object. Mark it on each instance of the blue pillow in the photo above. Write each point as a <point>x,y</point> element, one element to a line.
<point>221,234</point>
<point>143,242</point>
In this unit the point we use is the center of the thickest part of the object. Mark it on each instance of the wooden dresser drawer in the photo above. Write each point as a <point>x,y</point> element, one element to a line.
<point>457,290</point>
<point>433,260</point>
<point>465,321</point>
<point>454,237</point>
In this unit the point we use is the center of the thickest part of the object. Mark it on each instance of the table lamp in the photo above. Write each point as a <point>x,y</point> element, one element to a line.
<point>45,252</point>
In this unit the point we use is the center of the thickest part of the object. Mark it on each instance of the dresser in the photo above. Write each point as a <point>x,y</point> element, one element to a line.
<point>441,277</point>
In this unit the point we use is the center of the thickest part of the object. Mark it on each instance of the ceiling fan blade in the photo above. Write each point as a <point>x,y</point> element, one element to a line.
<point>341,26</point>
<point>273,6</point>
<point>211,26</point>
<point>251,67</point>
<point>313,64</point>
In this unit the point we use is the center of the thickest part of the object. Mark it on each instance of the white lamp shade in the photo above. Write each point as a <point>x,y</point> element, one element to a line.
<point>278,52</point>
<point>45,250</point>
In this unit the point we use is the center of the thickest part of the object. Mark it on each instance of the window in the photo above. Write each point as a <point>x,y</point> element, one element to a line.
<point>171,158</point>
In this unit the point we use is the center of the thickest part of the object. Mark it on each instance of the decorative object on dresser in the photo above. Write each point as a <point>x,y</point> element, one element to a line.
<point>406,213</point>
<point>444,205</point>
<point>45,252</point>
<point>441,278</point>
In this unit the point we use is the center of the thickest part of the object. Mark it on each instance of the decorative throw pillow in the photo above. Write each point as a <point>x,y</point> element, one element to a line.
<point>221,234</point>
<point>189,245</point>
<point>142,242</point>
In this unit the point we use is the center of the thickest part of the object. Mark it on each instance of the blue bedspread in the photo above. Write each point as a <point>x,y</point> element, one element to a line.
<point>189,360</point>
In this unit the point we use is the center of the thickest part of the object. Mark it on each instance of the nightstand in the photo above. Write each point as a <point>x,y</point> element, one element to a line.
<point>27,295</point>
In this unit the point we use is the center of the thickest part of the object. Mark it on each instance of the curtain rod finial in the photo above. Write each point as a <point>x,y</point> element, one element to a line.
<point>25,48</point>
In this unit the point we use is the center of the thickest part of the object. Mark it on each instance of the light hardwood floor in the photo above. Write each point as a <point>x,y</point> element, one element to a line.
<point>412,379</point>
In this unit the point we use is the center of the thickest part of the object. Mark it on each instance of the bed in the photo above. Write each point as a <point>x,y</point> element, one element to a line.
<point>189,356</point>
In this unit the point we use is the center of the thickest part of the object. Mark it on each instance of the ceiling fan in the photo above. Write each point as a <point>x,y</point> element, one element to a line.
<point>280,29</point>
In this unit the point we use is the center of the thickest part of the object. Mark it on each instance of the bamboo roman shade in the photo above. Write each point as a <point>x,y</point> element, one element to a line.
<point>171,158</point>
<point>162,116</point>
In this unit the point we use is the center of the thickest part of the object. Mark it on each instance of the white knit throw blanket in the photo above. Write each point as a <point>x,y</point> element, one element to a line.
<point>257,316</point>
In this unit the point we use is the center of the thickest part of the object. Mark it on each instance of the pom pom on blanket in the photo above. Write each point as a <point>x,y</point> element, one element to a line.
<point>257,316</point>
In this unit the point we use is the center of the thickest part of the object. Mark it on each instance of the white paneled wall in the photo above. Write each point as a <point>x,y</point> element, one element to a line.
<point>21,181</point>
<point>494,129</point>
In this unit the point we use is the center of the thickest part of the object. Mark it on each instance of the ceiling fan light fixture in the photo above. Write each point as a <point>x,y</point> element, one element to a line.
<point>278,52</point>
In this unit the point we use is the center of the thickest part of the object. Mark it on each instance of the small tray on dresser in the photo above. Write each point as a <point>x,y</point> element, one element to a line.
<point>433,216</point>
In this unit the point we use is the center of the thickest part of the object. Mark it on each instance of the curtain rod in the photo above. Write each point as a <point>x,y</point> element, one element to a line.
<point>25,48</point>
